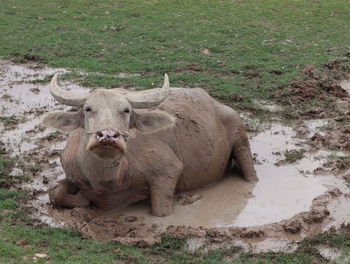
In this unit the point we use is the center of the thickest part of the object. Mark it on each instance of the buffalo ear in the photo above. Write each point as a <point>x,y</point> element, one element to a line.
<point>63,121</point>
<point>151,121</point>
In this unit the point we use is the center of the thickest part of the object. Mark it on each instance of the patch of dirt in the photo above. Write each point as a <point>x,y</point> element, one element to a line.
<point>310,89</point>
<point>276,72</point>
<point>315,85</point>
<point>11,122</point>
<point>52,138</point>
<point>339,165</point>
<point>194,67</point>
<point>25,58</point>
<point>35,90</point>
<point>335,137</point>
<point>294,226</point>
<point>252,74</point>
<point>233,97</point>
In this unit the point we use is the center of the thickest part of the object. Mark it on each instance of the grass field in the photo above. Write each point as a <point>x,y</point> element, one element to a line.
<point>239,51</point>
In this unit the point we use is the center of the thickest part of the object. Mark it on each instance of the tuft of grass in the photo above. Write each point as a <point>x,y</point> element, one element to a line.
<point>281,258</point>
<point>44,80</point>
<point>10,121</point>
<point>337,239</point>
<point>34,168</point>
<point>293,155</point>
<point>169,242</point>
<point>335,156</point>
<point>6,165</point>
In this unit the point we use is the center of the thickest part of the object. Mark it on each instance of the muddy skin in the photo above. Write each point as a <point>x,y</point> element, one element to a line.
<point>163,155</point>
<point>255,221</point>
<point>67,195</point>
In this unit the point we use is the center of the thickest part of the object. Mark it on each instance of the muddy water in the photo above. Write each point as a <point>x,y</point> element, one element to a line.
<point>19,93</point>
<point>26,100</point>
<point>218,205</point>
<point>284,190</point>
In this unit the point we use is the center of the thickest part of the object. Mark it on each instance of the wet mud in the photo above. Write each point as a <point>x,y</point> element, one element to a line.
<point>320,84</point>
<point>303,172</point>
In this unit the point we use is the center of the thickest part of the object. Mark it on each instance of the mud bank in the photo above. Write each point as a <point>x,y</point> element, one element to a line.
<point>302,188</point>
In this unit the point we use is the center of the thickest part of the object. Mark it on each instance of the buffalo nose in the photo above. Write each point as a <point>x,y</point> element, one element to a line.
<point>107,135</point>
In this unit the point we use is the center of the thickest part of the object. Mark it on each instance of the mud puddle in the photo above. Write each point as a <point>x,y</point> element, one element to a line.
<point>215,206</point>
<point>282,191</point>
<point>290,201</point>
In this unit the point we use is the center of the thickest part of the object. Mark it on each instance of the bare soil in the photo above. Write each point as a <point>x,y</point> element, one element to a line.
<point>292,200</point>
<point>323,86</point>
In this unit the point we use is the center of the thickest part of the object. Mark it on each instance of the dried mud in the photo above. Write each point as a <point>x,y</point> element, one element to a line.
<point>294,198</point>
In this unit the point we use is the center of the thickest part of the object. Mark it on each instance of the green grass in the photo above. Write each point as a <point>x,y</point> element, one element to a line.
<point>294,155</point>
<point>11,120</point>
<point>336,156</point>
<point>255,46</point>
<point>6,165</point>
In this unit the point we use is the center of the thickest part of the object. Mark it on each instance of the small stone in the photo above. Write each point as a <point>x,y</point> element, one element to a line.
<point>206,51</point>
<point>344,105</point>
<point>189,199</point>
<point>40,255</point>
<point>130,218</point>
<point>35,90</point>
<point>293,226</point>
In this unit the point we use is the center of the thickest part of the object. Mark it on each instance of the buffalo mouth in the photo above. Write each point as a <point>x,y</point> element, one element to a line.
<point>110,147</point>
<point>109,144</point>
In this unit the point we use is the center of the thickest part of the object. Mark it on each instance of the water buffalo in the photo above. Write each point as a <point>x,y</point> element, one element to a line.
<point>128,146</point>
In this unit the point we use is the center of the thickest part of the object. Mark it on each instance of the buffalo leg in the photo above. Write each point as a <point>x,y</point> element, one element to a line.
<point>162,196</point>
<point>66,194</point>
<point>243,155</point>
<point>163,182</point>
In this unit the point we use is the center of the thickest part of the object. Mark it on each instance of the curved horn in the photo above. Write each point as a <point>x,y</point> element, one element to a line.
<point>66,97</point>
<point>149,98</point>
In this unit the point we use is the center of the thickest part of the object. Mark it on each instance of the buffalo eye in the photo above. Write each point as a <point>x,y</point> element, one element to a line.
<point>127,110</point>
<point>88,109</point>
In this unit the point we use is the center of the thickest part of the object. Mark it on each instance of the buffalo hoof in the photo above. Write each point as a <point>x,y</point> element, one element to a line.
<point>162,211</point>
<point>60,197</point>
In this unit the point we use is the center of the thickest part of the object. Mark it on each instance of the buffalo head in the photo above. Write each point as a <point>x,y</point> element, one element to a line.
<point>107,115</point>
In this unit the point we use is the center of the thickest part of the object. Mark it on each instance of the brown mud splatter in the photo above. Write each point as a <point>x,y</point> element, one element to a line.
<point>291,201</point>
<point>321,85</point>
